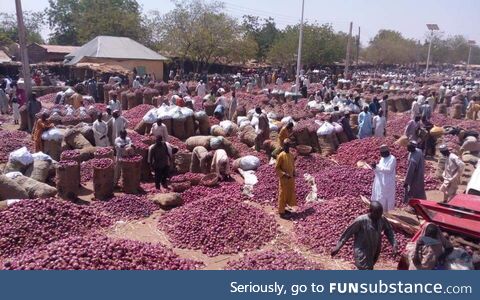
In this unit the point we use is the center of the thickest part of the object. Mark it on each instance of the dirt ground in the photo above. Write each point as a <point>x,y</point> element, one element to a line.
<point>146,230</point>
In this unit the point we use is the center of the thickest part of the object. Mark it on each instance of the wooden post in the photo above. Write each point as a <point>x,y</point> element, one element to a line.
<point>23,50</point>
<point>358,45</point>
<point>347,59</point>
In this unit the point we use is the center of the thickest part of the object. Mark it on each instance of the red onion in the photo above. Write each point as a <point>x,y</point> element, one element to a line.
<point>136,158</point>
<point>273,260</point>
<point>136,114</point>
<point>47,98</point>
<point>11,141</point>
<point>98,252</point>
<point>28,224</point>
<point>70,155</point>
<point>126,207</point>
<point>217,226</point>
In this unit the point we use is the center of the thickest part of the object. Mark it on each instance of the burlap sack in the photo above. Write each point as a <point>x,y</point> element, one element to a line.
<point>203,125</point>
<point>35,189</point>
<point>353,120</point>
<point>103,181</point>
<point>180,187</point>
<point>209,108</point>
<point>23,118</point>
<point>124,100</point>
<point>442,109</point>
<point>76,140</point>
<point>190,126</point>
<point>457,111</point>
<point>327,145</point>
<point>131,174</point>
<point>248,138</point>
<point>217,131</point>
<point>178,128</point>
<point>302,137</point>
<point>53,149</point>
<point>167,200</point>
<point>9,189</point>
<point>15,166</point>
<point>230,149</point>
<point>131,100</point>
<point>342,137</point>
<point>87,153</point>
<point>402,141</point>
<point>68,179</point>
<point>168,123</point>
<point>40,170</point>
<point>87,132</point>
<point>200,140</point>
<point>140,128</point>
<point>182,161</point>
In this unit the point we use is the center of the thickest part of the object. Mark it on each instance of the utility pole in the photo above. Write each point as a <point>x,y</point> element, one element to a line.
<point>432,28</point>
<point>23,50</point>
<point>347,59</point>
<point>358,45</point>
<point>471,43</point>
<point>299,54</point>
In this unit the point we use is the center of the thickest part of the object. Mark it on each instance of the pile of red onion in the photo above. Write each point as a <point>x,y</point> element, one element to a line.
<point>103,152</point>
<point>132,159</point>
<point>226,190</point>
<point>11,141</point>
<point>70,155</point>
<point>218,225</point>
<point>194,178</point>
<point>273,260</point>
<point>322,224</point>
<point>48,98</point>
<point>136,114</point>
<point>126,207</point>
<point>98,252</point>
<point>102,163</point>
<point>396,123</point>
<point>86,170</point>
<point>28,224</point>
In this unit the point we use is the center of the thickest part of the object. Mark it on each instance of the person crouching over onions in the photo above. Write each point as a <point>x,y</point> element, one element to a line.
<point>221,164</point>
<point>285,169</point>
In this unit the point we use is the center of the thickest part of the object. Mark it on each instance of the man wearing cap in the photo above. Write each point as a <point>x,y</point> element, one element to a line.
<point>263,129</point>
<point>285,169</point>
<point>414,181</point>
<point>136,83</point>
<point>383,189</point>
<point>411,130</point>
<point>365,124</point>
<point>454,167</point>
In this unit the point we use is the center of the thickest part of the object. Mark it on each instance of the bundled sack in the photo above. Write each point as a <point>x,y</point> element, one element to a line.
<point>216,143</point>
<point>326,129</point>
<point>248,137</point>
<point>247,163</point>
<point>178,125</point>
<point>53,134</point>
<point>9,189</point>
<point>167,199</point>
<point>200,140</point>
<point>203,122</point>
<point>229,127</point>
<point>41,167</point>
<point>35,189</point>
<point>87,131</point>
<point>18,161</point>
<point>217,130</point>
<point>75,139</point>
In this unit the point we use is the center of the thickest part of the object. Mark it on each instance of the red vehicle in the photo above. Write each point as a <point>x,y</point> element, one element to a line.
<point>460,217</point>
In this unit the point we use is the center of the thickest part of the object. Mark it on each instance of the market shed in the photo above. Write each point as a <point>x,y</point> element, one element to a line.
<point>120,52</point>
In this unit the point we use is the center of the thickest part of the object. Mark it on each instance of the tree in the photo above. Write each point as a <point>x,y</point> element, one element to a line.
<point>321,45</point>
<point>390,47</point>
<point>264,34</point>
<point>77,22</point>
<point>201,32</point>
<point>9,28</point>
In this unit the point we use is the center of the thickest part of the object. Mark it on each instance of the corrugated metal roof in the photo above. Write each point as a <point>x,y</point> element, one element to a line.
<point>59,48</point>
<point>113,47</point>
<point>4,57</point>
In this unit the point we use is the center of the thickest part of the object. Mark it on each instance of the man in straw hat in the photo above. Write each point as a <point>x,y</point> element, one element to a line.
<point>454,167</point>
<point>383,189</point>
<point>414,181</point>
<point>285,169</point>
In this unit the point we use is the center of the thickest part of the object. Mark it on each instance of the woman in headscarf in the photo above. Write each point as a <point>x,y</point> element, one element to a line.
<point>40,127</point>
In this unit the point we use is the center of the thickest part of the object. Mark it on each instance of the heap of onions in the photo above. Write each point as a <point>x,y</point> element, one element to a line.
<point>136,114</point>
<point>28,224</point>
<point>225,190</point>
<point>218,225</point>
<point>98,252</point>
<point>126,207</point>
<point>11,141</point>
<point>273,260</point>
<point>322,224</point>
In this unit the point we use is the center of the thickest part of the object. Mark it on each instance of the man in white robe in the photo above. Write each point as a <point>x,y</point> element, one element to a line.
<point>379,125</point>
<point>100,132</point>
<point>159,129</point>
<point>221,164</point>
<point>119,123</point>
<point>452,174</point>
<point>384,186</point>
<point>201,89</point>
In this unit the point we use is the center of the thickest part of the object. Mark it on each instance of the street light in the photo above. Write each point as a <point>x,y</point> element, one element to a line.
<point>471,43</point>
<point>432,28</point>
<point>299,55</point>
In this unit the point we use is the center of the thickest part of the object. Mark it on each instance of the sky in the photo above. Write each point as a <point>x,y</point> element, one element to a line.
<point>407,16</point>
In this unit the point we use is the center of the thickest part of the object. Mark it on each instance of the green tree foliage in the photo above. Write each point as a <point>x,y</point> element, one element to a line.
<point>74,22</point>
<point>202,32</point>
<point>321,45</point>
<point>9,27</point>
<point>264,33</point>
<point>390,47</point>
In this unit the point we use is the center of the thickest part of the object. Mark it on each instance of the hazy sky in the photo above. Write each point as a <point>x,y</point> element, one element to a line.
<point>406,16</point>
